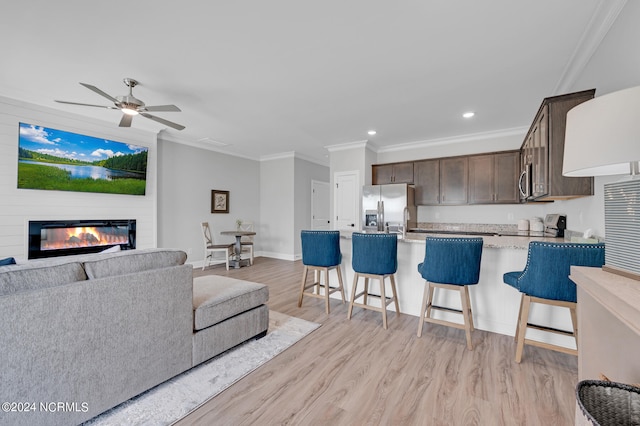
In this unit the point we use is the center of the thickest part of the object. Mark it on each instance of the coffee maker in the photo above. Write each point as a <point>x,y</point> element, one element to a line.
<point>554,225</point>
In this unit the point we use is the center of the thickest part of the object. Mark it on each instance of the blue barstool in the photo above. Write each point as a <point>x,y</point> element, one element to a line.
<point>545,280</point>
<point>450,264</point>
<point>320,253</point>
<point>374,256</point>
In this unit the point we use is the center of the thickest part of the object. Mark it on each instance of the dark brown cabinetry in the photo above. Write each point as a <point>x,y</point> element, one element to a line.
<point>493,178</point>
<point>392,173</point>
<point>441,181</point>
<point>542,152</point>
<point>454,176</point>
<point>426,177</point>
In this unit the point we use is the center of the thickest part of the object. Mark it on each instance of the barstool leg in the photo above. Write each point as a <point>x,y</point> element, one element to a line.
<point>423,308</point>
<point>339,269</point>
<point>574,322</point>
<point>466,314</point>
<point>466,291</point>
<point>524,317</point>
<point>395,293</point>
<point>304,281</point>
<point>383,302</point>
<point>432,290</point>
<point>353,295</point>
<point>366,290</point>
<point>326,289</point>
<point>515,337</point>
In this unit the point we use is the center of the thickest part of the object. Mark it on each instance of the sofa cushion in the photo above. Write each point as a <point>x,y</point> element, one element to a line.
<point>18,278</point>
<point>216,298</point>
<point>129,261</point>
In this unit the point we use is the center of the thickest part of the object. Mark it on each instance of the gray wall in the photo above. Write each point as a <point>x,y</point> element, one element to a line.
<point>304,173</point>
<point>277,207</point>
<point>186,176</point>
<point>285,203</point>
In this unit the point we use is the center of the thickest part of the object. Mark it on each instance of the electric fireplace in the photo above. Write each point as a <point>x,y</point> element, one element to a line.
<point>53,238</point>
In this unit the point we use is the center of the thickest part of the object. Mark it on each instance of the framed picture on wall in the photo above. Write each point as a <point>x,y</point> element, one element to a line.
<point>79,163</point>
<point>219,201</point>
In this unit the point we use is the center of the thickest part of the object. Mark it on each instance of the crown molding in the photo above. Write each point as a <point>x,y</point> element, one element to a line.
<point>515,131</point>
<point>207,143</point>
<point>294,155</point>
<point>278,156</point>
<point>599,25</point>
<point>204,143</point>
<point>350,145</point>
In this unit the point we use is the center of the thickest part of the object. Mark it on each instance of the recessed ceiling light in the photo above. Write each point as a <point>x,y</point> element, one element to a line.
<point>371,132</point>
<point>468,114</point>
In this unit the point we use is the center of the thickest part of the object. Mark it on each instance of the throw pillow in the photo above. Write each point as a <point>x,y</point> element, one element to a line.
<point>7,261</point>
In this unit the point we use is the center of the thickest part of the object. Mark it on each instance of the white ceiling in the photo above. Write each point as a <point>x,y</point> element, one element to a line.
<point>269,77</point>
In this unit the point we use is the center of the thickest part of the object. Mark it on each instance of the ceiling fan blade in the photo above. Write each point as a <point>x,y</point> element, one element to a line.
<point>167,108</point>
<point>163,121</point>
<point>100,92</point>
<point>125,121</point>
<point>91,105</point>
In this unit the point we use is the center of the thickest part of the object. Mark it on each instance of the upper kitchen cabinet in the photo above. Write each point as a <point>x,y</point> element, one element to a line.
<point>426,176</point>
<point>441,181</point>
<point>543,150</point>
<point>454,175</point>
<point>392,173</point>
<point>493,178</point>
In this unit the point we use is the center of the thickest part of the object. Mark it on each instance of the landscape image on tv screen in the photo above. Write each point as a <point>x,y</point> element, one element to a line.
<point>64,161</point>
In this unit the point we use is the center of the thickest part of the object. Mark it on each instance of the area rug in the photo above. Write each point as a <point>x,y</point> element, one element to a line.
<point>177,397</point>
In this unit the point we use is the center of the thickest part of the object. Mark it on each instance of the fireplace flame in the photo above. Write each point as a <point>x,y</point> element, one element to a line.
<point>64,238</point>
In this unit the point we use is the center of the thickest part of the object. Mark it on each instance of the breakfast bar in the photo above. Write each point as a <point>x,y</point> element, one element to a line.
<point>495,304</point>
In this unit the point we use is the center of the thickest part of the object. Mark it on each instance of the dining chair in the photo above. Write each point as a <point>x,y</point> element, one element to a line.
<point>545,280</point>
<point>450,264</point>
<point>320,253</point>
<point>247,240</point>
<point>374,256</point>
<point>210,247</point>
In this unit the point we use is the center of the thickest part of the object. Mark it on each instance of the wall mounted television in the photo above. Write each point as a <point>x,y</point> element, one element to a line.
<point>51,159</point>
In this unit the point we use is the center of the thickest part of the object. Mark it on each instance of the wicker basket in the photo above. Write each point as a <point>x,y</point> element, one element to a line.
<point>604,403</point>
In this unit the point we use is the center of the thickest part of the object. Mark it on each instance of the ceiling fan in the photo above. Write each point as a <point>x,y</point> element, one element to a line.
<point>131,106</point>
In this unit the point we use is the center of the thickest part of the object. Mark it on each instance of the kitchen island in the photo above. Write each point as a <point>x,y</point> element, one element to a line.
<point>495,305</point>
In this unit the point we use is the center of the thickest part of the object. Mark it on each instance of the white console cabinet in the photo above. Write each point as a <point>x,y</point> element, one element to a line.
<point>608,325</point>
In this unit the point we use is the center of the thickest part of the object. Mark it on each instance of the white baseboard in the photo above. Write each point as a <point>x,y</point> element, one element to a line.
<point>281,256</point>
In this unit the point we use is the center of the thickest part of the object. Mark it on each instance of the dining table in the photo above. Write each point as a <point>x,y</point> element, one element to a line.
<point>237,259</point>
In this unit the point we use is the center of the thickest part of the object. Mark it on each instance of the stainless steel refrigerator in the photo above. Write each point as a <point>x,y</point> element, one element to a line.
<point>388,207</point>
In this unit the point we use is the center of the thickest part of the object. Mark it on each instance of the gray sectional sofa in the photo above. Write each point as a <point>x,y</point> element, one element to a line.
<point>82,334</point>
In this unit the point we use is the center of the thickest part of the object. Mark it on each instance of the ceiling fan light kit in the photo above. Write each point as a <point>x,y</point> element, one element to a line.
<point>130,106</point>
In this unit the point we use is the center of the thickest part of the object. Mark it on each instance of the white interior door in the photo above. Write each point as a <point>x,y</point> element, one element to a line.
<point>320,205</point>
<point>346,200</point>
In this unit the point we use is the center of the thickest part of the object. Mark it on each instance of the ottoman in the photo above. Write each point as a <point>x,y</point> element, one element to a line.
<point>226,312</point>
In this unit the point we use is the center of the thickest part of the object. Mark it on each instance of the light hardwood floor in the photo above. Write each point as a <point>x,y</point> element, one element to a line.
<point>356,373</point>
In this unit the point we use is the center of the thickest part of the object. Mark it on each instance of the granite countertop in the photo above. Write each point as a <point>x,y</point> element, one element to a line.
<point>491,239</point>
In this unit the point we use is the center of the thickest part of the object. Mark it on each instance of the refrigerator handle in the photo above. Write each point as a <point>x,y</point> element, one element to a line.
<point>380,215</point>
